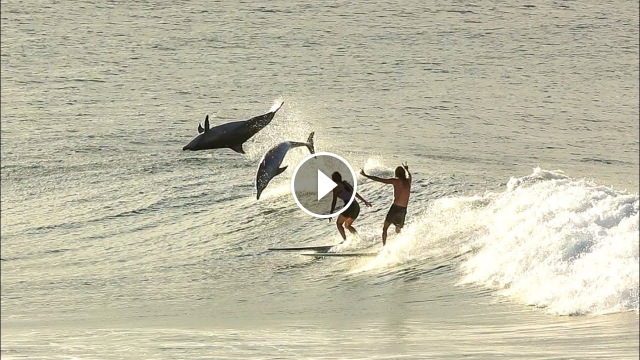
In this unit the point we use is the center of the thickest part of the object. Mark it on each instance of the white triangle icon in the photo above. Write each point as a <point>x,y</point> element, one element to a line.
<point>324,185</point>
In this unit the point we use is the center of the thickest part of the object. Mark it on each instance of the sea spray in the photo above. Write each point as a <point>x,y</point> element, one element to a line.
<point>570,246</point>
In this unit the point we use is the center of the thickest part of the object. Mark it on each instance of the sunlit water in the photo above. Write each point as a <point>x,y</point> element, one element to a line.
<point>519,122</point>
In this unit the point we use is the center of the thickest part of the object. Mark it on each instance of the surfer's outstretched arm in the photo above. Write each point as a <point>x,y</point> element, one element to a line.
<point>363,200</point>
<point>378,179</point>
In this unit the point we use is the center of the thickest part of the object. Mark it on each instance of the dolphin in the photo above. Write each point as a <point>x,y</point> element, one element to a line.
<point>230,135</point>
<point>270,163</point>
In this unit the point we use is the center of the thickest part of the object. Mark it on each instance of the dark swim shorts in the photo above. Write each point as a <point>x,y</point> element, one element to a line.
<point>352,211</point>
<point>396,215</point>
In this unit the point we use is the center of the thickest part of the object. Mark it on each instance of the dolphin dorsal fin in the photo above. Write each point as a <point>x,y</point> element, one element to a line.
<point>206,125</point>
<point>281,170</point>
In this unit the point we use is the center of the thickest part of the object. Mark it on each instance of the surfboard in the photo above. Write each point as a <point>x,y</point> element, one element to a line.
<point>324,254</point>
<point>322,248</point>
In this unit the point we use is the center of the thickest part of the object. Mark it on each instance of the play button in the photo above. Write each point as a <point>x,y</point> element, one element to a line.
<point>324,185</point>
<point>314,180</point>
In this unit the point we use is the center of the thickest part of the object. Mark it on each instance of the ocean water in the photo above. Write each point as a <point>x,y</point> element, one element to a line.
<point>519,121</point>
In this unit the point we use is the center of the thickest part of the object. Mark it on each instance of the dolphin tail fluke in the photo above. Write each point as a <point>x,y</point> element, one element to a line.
<point>276,107</point>
<point>310,144</point>
<point>257,123</point>
<point>281,170</point>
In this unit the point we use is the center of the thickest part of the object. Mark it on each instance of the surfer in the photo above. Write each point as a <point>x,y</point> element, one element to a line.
<point>344,190</point>
<point>401,189</point>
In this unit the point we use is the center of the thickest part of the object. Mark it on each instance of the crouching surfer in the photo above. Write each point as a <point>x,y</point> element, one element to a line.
<point>344,191</point>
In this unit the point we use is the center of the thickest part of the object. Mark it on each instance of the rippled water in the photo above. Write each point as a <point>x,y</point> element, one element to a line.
<point>519,122</point>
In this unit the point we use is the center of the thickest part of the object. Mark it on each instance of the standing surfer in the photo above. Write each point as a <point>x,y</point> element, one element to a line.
<point>401,190</point>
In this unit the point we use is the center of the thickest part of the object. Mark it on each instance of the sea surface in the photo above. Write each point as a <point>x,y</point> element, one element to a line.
<point>519,121</point>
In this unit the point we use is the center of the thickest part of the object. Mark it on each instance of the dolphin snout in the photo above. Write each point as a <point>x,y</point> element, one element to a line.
<point>192,145</point>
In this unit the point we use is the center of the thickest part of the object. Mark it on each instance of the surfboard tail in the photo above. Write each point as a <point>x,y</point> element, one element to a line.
<point>310,145</point>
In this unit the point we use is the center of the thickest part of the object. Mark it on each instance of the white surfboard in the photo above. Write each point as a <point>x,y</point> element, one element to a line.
<point>344,254</point>
<point>320,248</point>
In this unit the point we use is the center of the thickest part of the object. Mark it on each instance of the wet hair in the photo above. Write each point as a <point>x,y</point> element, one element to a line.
<point>400,173</point>
<point>337,178</point>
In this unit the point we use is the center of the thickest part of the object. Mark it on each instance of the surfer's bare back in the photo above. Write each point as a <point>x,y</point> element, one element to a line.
<point>401,190</point>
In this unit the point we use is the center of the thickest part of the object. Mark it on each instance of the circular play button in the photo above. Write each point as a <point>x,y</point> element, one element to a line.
<point>313,183</point>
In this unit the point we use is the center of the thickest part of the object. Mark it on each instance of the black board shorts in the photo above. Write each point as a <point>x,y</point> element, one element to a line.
<point>396,215</point>
<point>352,211</point>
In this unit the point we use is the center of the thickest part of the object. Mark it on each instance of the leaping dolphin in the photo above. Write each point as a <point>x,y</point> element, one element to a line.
<point>230,135</point>
<point>270,163</point>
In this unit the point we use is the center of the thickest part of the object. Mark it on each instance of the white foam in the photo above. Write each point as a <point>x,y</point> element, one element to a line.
<point>375,165</point>
<point>276,192</point>
<point>570,246</point>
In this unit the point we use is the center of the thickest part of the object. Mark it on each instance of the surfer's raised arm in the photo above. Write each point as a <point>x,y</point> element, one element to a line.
<point>406,167</point>
<point>378,179</point>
